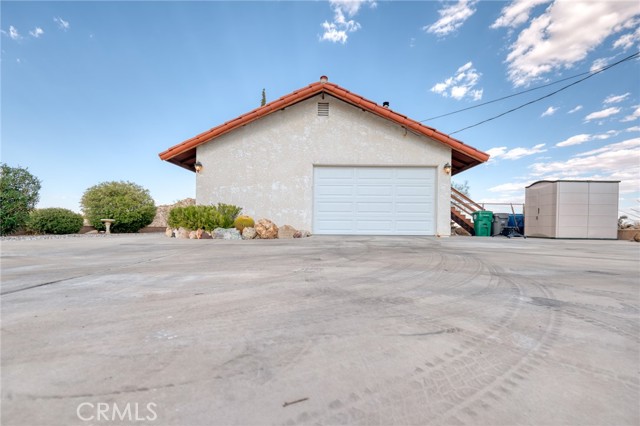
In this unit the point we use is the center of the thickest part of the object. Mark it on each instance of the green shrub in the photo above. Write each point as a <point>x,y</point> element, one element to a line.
<point>54,221</point>
<point>242,222</point>
<point>228,214</point>
<point>207,217</point>
<point>19,194</point>
<point>130,205</point>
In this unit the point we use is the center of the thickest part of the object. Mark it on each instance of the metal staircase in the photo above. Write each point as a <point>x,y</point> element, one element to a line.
<point>462,208</point>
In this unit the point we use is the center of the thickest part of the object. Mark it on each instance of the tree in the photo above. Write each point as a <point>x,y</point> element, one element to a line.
<point>462,187</point>
<point>129,204</point>
<point>19,194</point>
<point>263,102</point>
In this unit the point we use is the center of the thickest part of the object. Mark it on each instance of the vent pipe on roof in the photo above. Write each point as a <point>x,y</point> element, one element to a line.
<point>324,79</point>
<point>385,104</point>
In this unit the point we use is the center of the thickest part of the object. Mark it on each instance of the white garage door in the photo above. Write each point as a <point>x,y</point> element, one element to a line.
<point>374,200</point>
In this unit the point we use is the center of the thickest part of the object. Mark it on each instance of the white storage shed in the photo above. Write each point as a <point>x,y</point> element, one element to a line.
<point>572,209</point>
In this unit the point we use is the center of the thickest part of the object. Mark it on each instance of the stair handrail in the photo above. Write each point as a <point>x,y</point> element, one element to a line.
<point>455,194</point>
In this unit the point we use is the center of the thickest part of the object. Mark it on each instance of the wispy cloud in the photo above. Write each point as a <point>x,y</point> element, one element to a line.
<point>557,39</point>
<point>599,63</point>
<point>627,41</point>
<point>516,13</point>
<point>614,99</point>
<point>618,161</point>
<point>633,116</point>
<point>576,109</point>
<point>62,24</point>
<point>461,84</point>
<point>452,17</point>
<point>607,112</point>
<point>586,137</point>
<point>549,111</point>
<point>338,30</point>
<point>37,32</point>
<point>633,129</point>
<point>514,153</point>
<point>12,33</point>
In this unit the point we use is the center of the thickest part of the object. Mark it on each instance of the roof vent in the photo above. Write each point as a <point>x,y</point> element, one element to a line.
<point>323,109</point>
<point>324,79</point>
<point>385,104</point>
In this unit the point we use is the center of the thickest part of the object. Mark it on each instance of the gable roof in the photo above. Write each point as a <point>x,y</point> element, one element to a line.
<point>463,156</point>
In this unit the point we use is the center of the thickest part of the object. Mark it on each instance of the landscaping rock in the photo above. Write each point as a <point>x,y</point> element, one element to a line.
<point>162,212</point>
<point>182,234</point>
<point>249,233</point>
<point>266,229</point>
<point>168,232</point>
<point>226,234</point>
<point>286,232</point>
<point>193,235</point>
<point>206,236</point>
<point>302,233</point>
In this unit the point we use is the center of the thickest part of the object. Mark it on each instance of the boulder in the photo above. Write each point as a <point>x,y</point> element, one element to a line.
<point>226,234</point>
<point>286,232</point>
<point>168,232</point>
<point>266,229</point>
<point>302,233</point>
<point>206,236</point>
<point>182,234</point>
<point>249,233</point>
<point>193,235</point>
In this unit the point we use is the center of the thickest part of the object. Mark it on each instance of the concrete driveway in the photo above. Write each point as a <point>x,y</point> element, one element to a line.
<point>143,329</point>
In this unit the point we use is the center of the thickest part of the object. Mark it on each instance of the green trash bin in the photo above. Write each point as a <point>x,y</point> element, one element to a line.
<point>482,223</point>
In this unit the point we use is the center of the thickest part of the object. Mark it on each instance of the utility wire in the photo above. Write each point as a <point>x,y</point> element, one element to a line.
<point>628,58</point>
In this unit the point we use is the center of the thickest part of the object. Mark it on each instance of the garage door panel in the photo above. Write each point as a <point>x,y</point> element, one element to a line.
<point>374,200</point>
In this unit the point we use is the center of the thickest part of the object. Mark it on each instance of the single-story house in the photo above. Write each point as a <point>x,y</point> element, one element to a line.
<point>330,161</point>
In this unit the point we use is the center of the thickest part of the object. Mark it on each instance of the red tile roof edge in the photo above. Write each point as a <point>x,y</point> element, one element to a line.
<point>312,90</point>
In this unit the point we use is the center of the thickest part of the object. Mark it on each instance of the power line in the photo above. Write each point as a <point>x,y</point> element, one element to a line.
<point>628,58</point>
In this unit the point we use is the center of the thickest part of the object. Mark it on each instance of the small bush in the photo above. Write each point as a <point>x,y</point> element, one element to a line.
<point>130,205</point>
<point>54,221</point>
<point>19,194</point>
<point>207,217</point>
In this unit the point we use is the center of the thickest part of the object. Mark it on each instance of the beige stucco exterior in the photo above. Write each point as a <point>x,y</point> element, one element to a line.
<point>266,167</point>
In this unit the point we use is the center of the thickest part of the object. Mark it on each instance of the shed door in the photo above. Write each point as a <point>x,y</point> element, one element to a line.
<point>374,200</point>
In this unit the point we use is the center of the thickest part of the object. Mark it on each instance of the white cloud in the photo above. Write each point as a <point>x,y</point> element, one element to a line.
<point>451,18</point>
<point>508,187</point>
<point>618,161</point>
<point>633,116</point>
<point>627,41</point>
<point>461,84</point>
<point>515,153</point>
<point>338,30</point>
<point>13,33</point>
<point>62,24</point>
<point>607,112</point>
<point>633,129</point>
<point>576,109</point>
<point>550,111</point>
<point>614,99</point>
<point>516,13</point>
<point>575,140</point>
<point>585,137</point>
<point>564,34</point>
<point>599,63</point>
<point>37,32</point>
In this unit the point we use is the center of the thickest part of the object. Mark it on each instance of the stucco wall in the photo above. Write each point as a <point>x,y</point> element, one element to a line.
<point>266,167</point>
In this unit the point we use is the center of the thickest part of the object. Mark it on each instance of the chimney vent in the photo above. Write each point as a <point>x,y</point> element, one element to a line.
<point>324,79</point>
<point>385,104</point>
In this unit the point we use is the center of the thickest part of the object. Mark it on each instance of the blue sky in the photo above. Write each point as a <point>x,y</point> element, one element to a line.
<point>93,91</point>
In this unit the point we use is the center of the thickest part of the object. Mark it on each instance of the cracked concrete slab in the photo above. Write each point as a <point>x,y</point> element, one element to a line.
<point>323,330</point>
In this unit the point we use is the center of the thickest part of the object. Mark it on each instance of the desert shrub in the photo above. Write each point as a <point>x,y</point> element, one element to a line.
<point>19,194</point>
<point>228,213</point>
<point>129,204</point>
<point>207,217</point>
<point>54,221</point>
<point>242,222</point>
